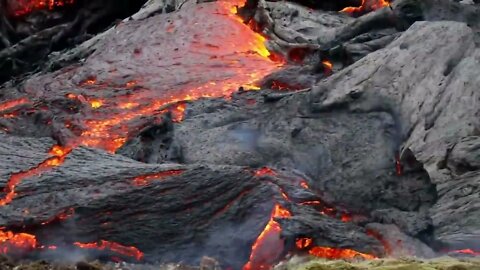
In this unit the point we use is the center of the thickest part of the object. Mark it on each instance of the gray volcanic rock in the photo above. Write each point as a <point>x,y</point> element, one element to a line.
<point>399,244</point>
<point>18,154</point>
<point>182,188</point>
<point>428,79</point>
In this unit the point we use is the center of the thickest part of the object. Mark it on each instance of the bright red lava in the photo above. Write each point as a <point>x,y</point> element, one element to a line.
<point>466,251</point>
<point>265,171</point>
<point>10,241</point>
<point>113,247</point>
<point>24,7</point>
<point>145,179</point>
<point>268,246</point>
<point>242,50</point>
<point>13,103</point>
<point>366,6</point>
<point>328,252</point>
<point>59,155</point>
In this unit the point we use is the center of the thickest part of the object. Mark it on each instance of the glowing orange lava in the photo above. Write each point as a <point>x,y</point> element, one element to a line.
<point>367,6</point>
<point>59,155</point>
<point>240,49</point>
<point>16,241</point>
<point>13,103</point>
<point>338,253</point>
<point>303,243</point>
<point>178,112</point>
<point>268,246</point>
<point>61,216</point>
<point>265,171</point>
<point>114,247</point>
<point>327,67</point>
<point>145,179</point>
<point>304,184</point>
<point>110,128</point>
<point>466,251</point>
<point>328,252</point>
<point>23,7</point>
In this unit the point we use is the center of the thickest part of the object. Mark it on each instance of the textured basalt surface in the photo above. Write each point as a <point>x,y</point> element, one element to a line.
<point>150,154</point>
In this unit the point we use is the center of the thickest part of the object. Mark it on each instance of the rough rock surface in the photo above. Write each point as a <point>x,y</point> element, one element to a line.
<point>331,146</point>
<point>428,80</point>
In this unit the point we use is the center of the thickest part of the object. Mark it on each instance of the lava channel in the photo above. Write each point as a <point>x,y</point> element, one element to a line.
<point>59,155</point>
<point>268,246</point>
<point>10,241</point>
<point>128,251</point>
<point>329,252</point>
<point>145,179</point>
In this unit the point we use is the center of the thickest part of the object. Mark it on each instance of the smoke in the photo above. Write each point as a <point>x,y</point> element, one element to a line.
<point>246,138</point>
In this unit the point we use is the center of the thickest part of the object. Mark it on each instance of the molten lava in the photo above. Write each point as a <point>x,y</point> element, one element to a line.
<point>338,253</point>
<point>16,241</point>
<point>24,7</point>
<point>268,246</point>
<point>13,103</point>
<point>239,50</point>
<point>265,171</point>
<point>59,155</point>
<point>113,247</point>
<point>328,252</point>
<point>61,216</point>
<point>366,6</point>
<point>327,67</point>
<point>145,179</point>
<point>108,122</point>
<point>467,252</point>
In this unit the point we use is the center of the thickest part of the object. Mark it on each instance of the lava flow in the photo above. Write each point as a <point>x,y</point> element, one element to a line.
<point>145,179</point>
<point>24,7</point>
<point>240,53</point>
<point>59,155</point>
<point>16,241</point>
<point>268,247</point>
<point>328,252</point>
<point>113,247</point>
<point>366,6</point>
<point>108,120</point>
<point>13,103</point>
<point>466,252</point>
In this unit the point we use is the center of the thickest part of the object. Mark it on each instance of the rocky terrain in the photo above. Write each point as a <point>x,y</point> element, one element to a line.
<point>178,134</point>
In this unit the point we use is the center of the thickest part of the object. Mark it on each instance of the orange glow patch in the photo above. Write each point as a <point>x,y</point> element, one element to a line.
<point>367,5</point>
<point>128,251</point>
<point>337,253</point>
<point>265,171</point>
<point>304,184</point>
<point>17,241</point>
<point>58,158</point>
<point>131,84</point>
<point>303,243</point>
<point>327,67</point>
<point>466,251</point>
<point>268,246</point>
<point>96,103</point>
<point>13,103</point>
<point>24,7</point>
<point>178,112</point>
<point>145,179</point>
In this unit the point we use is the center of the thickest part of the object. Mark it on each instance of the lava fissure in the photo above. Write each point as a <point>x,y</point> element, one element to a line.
<point>114,247</point>
<point>143,180</point>
<point>59,155</point>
